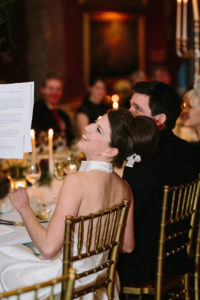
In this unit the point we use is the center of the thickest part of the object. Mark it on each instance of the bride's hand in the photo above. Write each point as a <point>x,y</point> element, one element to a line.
<point>19,199</point>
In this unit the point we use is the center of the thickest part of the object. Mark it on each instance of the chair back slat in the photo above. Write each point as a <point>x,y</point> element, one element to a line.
<point>97,235</point>
<point>172,207</point>
<point>192,198</point>
<point>178,212</point>
<point>89,235</point>
<point>80,236</point>
<point>184,201</point>
<point>100,233</point>
<point>188,199</point>
<point>113,227</point>
<point>105,230</point>
<point>49,293</point>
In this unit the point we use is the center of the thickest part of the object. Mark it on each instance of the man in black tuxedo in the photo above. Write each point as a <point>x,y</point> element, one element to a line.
<point>175,162</point>
<point>46,114</point>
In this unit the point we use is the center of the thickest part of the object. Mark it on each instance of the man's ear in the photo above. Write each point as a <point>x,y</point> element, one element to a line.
<point>160,119</point>
<point>111,152</point>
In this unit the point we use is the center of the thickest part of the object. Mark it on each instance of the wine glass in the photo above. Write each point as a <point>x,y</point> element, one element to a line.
<point>59,170</point>
<point>33,174</point>
<point>70,168</point>
<point>71,165</point>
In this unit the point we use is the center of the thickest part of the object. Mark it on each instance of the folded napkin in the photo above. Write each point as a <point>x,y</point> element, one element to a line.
<point>5,230</point>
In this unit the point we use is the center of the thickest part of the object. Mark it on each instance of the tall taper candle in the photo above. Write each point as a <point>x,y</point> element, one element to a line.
<point>32,132</point>
<point>51,164</point>
<point>178,19</point>
<point>184,34</point>
<point>195,10</point>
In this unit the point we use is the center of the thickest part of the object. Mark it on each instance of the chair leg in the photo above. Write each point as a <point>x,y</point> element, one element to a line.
<point>196,286</point>
<point>187,286</point>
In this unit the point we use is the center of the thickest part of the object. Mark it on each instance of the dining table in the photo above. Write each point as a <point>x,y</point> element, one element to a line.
<point>17,234</point>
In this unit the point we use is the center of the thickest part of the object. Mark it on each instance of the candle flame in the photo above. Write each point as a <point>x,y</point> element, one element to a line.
<point>115,105</point>
<point>32,132</point>
<point>50,132</point>
<point>179,1</point>
<point>115,98</point>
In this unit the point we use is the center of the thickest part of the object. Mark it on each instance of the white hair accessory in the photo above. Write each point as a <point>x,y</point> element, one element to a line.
<point>132,159</point>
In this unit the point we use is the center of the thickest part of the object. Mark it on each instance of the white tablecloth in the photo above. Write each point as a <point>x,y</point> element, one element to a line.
<point>47,195</point>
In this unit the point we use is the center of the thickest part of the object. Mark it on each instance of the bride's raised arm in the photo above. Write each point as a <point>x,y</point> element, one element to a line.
<point>49,241</point>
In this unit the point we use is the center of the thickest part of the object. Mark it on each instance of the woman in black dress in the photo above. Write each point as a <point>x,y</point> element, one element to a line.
<point>93,104</point>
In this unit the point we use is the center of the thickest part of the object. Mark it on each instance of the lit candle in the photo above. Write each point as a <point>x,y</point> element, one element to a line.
<point>33,146</point>
<point>195,10</point>
<point>184,35</point>
<point>115,100</point>
<point>50,138</point>
<point>178,19</point>
<point>115,105</point>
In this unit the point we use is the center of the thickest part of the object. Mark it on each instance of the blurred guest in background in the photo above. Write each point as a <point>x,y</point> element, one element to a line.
<point>93,104</point>
<point>46,113</point>
<point>137,76</point>
<point>191,111</point>
<point>176,162</point>
<point>123,87</point>
<point>161,73</point>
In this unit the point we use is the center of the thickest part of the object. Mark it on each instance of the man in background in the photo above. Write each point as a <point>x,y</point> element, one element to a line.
<point>46,113</point>
<point>176,162</point>
<point>161,73</point>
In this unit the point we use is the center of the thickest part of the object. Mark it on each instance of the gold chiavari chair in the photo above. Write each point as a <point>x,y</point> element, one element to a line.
<point>177,235</point>
<point>197,263</point>
<point>96,233</point>
<point>37,291</point>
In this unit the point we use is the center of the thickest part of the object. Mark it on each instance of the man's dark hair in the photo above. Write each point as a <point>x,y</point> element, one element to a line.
<point>50,76</point>
<point>162,99</point>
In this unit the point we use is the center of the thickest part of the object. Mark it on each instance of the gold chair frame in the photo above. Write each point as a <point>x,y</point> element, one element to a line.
<point>197,263</point>
<point>68,279</point>
<point>108,226</point>
<point>179,203</point>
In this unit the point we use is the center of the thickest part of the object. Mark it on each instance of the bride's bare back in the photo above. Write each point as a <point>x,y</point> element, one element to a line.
<point>100,190</point>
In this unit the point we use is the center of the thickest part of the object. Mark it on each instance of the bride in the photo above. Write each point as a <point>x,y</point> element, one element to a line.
<point>106,143</point>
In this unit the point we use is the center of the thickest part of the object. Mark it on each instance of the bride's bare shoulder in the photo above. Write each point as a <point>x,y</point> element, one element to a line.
<point>71,181</point>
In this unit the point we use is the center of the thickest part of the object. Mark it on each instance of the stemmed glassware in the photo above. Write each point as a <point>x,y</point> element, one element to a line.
<point>59,170</point>
<point>33,174</point>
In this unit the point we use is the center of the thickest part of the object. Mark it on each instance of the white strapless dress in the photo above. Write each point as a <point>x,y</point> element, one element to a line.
<point>19,267</point>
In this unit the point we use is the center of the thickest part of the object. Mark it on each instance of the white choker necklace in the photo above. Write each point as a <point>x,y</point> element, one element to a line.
<point>89,165</point>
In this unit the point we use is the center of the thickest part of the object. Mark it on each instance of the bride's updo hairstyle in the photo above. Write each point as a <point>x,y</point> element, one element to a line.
<point>131,135</point>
